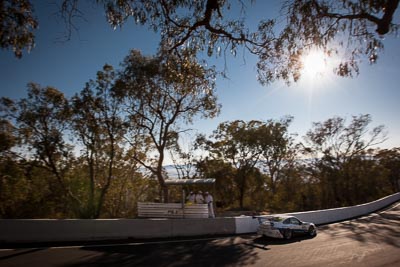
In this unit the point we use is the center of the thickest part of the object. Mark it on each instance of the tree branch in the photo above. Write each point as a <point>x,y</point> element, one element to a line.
<point>383,24</point>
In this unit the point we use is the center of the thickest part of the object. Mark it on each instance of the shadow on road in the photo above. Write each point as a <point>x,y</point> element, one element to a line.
<point>234,251</point>
<point>196,253</point>
<point>383,227</point>
<point>264,242</point>
<point>18,253</point>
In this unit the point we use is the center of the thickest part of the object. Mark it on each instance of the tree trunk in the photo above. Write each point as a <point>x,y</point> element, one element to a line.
<point>165,194</point>
<point>91,210</point>
<point>242,189</point>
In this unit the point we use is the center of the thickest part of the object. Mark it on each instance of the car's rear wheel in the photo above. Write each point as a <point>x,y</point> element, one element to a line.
<point>312,231</point>
<point>287,234</point>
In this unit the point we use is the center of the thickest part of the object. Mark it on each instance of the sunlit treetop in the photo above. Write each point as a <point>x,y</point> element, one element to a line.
<point>17,24</point>
<point>350,29</point>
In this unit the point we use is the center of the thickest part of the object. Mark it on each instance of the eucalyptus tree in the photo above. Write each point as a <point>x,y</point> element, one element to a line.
<point>224,174</point>
<point>184,158</point>
<point>236,142</point>
<point>8,136</point>
<point>390,160</point>
<point>162,95</point>
<point>219,26</point>
<point>336,150</point>
<point>249,146</point>
<point>13,186</point>
<point>40,122</point>
<point>17,26</point>
<point>278,149</point>
<point>346,31</point>
<point>98,125</point>
<point>339,142</point>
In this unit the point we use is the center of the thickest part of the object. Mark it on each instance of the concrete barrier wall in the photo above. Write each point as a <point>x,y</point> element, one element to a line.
<point>339,214</point>
<point>82,230</point>
<point>247,224</point>
<point>12,231</point>
<point>198,227</point>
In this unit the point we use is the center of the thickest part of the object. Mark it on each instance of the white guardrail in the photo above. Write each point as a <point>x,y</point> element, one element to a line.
<point>47,230</point>
<point>249,225</point>
<point>172,210</point>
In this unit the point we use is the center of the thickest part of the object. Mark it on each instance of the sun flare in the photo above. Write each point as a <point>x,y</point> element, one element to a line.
<point>314,64</point>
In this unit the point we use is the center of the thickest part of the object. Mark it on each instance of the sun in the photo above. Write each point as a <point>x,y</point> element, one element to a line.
<point>315,64</point>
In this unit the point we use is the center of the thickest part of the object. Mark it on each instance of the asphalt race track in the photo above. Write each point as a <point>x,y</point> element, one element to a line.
<point>368,241</point>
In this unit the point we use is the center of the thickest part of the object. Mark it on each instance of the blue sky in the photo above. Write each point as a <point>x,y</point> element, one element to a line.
<point>68,65</point>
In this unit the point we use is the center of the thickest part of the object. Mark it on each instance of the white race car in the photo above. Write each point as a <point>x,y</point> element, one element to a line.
<point>284,226</point>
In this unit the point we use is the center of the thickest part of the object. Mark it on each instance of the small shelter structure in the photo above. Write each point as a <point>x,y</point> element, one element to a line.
<point>177,210</point>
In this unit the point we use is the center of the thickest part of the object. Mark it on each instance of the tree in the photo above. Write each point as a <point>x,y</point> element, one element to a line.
<point>28,191</point>
<point>218,26</point>
<point>17,24</point>
<point>248,146</point>
<point>351,28</point>
<point>335,150</point>
<point>98,124</point>
<point>224,173</point>
<point>40,121</point>
<point>367,180</point>
<point>161,94</point>
<point>278,151</point>
<point>184,159</point>
<point>390,160</point>
<point>236,142</point>
<point>338,142</point>
<point>8,138</point>
<point>128,188</point>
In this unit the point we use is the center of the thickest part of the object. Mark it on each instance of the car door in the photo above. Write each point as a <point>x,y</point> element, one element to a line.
<point>286,224</point>
<point>296,225</point>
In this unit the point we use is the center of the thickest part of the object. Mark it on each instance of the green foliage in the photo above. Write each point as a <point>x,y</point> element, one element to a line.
<point>100,130</point>
<point>278,149</point>
<point>133,116</point>
<point>161,95</point>
<point>389,159</point>
<point>125,191</point>
<point>336,166</point>
<point>14,189</point>
<point>117,122</point>
<point>235,143</point>
<point>256,164</point>
<point>350,28</point>
<point>29,191</point>
<point>17,24</point>
<point>224,173</point>
<point>40,121</point>
<point>340,160</point>
<point>8,137</point>
<point>245,145</point>
<point>213,26</point>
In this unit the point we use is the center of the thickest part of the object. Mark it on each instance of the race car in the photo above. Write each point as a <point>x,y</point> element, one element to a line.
<point>284,227</point>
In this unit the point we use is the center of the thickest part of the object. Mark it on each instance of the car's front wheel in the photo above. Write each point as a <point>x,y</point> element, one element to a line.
<point>287,234</point>
<point>312,231</point>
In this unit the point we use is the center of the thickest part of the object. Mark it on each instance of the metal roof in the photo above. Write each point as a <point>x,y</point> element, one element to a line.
<point>189,181</point>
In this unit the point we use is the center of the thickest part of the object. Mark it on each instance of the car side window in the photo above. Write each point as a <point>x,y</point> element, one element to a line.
<point>294,221</point>
<point>287,221</point>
